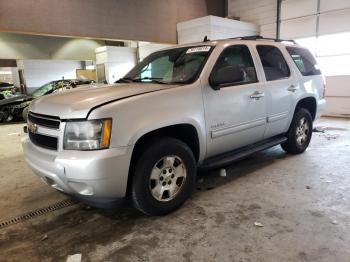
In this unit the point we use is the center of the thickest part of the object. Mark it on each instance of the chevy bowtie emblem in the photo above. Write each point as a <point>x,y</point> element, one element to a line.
<point>33,128</point>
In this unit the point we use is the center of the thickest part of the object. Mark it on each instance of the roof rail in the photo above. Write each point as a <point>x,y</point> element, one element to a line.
<point>259,37</point>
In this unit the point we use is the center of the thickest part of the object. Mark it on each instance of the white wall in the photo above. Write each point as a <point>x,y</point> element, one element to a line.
<point>214,28</point>
<point>15,76</point>
<point>262,13</point>
<point>6,74</point>
<point>338,95</point>
<point>39,72</point>
<point>117,60</point>
<point>46,58</point>
<point>146,48</point>
<point>16,46</point>
<point>315,19</point>
<point>299,18</point>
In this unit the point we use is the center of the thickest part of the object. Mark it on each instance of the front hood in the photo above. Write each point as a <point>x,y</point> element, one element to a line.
<point>15,100</point>
<point>78,102</point>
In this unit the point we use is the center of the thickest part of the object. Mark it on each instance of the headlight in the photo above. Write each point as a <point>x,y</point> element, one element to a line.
<point>87,135</point>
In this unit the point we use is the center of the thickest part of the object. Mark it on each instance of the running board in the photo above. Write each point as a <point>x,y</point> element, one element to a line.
<point>238,154</point>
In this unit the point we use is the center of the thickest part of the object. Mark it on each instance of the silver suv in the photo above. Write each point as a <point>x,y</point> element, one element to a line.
<point>202,105</point>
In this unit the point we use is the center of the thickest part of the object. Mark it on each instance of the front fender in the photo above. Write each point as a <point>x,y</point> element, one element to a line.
<point>187,121</point>
<point>136,116</point>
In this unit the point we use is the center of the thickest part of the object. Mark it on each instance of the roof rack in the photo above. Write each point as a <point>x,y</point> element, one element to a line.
<point>259,37</point>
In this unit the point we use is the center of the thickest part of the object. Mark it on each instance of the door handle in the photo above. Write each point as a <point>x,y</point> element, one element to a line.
<point>257,95</point>
<point>292,88</point>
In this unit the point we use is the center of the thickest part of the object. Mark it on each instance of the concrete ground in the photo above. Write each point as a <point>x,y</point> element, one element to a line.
<point>270,207</point>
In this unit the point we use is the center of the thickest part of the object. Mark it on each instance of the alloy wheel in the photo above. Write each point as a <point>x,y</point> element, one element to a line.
<point>302,131</point>
<point>167,178</point>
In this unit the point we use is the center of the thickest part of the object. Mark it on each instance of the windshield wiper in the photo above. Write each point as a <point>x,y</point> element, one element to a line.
<point>152,79</point>
<point>140,80</point>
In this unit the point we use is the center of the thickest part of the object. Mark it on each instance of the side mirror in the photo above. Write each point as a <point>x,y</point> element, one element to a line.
<point>225,76</point>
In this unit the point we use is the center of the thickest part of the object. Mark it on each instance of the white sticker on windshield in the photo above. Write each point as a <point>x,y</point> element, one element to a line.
<point>198,49</point>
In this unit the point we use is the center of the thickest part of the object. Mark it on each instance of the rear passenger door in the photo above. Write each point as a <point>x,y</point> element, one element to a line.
<point>280,86</point>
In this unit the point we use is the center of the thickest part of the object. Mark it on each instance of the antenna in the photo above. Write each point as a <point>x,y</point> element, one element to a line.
<point>206,39</point>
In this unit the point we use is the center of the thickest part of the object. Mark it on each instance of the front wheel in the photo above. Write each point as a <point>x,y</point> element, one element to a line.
<point>3,116</point>
<point>299,133</point>
<point>164,177</point>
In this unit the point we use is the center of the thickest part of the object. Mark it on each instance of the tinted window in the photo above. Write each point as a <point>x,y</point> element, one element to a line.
<point>237,55</point>
<point>275,66</point>
<point>304,60</point>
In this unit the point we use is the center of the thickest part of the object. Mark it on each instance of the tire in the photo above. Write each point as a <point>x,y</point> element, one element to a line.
<point>3,116</point>
<point>9,118</point>
<point>299,133</point>
<point>167,165</point>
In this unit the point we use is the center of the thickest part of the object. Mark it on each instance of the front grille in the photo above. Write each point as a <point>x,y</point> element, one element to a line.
<point>43,120</point>
<point>44,141</point>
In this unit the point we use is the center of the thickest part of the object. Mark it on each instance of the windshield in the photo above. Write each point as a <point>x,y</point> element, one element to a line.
<point>180,65</point>
<point>49,88</point>
<point>43,89</point>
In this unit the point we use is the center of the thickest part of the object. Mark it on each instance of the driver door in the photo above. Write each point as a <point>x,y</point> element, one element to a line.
<point>236,113</point>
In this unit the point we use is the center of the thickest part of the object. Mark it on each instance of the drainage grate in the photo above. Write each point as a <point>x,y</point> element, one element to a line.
<point>38,212</point>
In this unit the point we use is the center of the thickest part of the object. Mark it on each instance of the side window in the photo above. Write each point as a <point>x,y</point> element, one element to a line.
<point>237,56</point>
<point>304,60</point>
<point>274,64</point>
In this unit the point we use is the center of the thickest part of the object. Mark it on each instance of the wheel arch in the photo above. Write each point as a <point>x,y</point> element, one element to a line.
<point>308,103</point>
<point>187,133</point>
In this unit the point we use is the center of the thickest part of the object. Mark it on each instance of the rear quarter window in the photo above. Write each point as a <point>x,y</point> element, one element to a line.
<point>304,60</point>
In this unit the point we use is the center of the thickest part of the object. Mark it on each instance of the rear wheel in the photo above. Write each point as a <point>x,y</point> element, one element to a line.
<point>164,177</point>
<point>299,133</point>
